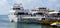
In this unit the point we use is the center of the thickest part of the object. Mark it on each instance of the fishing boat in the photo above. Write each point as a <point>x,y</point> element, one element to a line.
<point>56,18</point>
<point>19,14</point>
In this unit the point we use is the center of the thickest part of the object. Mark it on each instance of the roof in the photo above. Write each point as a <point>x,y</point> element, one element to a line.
<point>53,12</point>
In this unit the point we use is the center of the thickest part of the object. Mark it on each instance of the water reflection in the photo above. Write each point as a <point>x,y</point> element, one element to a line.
<point>13,25</point>
<point>26,25</point>
<point>5,23</point>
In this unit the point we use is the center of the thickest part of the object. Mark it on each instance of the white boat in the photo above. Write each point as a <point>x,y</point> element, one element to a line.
<point>19,14</point>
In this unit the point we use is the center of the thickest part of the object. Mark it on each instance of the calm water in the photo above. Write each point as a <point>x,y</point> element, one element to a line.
<point>4,23</point>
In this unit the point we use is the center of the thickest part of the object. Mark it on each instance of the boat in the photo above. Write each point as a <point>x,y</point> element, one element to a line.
<point>55,24</point>
<point>19,14</point>
<point>53,18</point>
<point>56,18</point>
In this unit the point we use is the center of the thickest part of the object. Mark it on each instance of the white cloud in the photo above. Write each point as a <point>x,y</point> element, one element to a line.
<point>3,2</point>
<point>52,0</point>
<point>57,5</point>
<point>28,2</point>
<point>3,7</point>
<point>17,1</point>
<point>51,3</point>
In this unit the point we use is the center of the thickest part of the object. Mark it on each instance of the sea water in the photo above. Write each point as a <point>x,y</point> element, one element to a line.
<point>5,23</point>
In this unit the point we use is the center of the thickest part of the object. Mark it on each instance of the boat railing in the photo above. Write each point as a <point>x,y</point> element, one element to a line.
<point>21,16</point>
<point>31,16</point>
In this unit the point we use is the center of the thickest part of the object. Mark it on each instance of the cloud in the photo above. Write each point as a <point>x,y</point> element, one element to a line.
<point>3,2</point>
<point>28,3</point>
<point>4,7</point>
<point>17,1</point>
<point>57,5</point>
<point>51,3</point>
<point>24,1</point>
<point>52,0</point>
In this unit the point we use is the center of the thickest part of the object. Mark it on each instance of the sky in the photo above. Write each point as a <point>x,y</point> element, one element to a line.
<point>5,5</point>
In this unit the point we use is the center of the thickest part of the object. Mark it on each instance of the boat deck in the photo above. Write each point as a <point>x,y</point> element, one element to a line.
<point>34,17</point>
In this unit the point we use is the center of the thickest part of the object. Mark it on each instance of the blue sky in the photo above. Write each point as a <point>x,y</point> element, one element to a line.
<point>5,5</point>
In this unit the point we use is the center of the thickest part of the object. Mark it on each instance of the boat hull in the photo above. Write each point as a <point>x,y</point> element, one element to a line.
<point>14,18</point>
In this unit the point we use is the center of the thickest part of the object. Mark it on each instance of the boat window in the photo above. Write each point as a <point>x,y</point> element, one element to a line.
<point>53,15</point>
<point>22,13</point>
<point>43,18</point>
<point>43,9</point>
<point>39,13</point>
<point>35,10</point>
<point>58,20</point>
<point>16,8</point>
<point>52,20</point>
<point>58,14</point>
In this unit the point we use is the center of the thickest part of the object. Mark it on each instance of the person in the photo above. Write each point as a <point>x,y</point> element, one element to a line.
<point>34,14</point>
